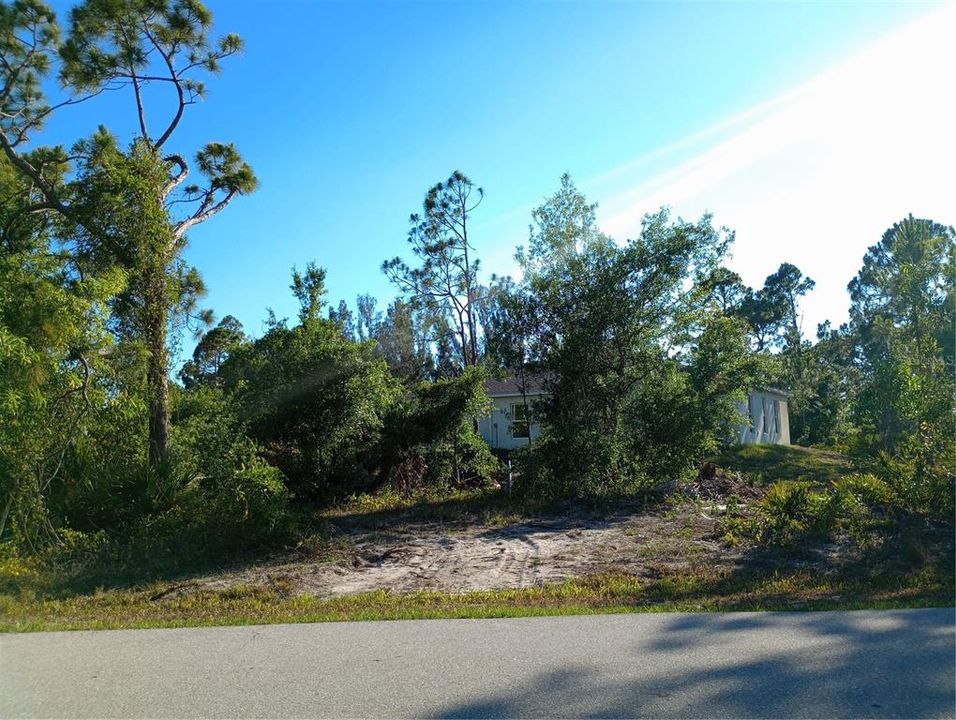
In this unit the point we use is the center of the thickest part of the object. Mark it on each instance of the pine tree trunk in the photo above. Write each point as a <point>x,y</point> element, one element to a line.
<point>157,373</point>
<point>469,295</point>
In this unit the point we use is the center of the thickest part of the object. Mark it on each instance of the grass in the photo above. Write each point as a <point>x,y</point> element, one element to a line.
<point>700,590</point>
<point>389,507</point>
<point>765,464</point>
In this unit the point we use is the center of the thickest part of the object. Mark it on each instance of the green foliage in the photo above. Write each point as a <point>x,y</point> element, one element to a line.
<point>922,471</point>
<point>771,311</point>
<point>29,35</point>
<point>54,378</point>
<point>903,304</point>
<point>907,391</point>
<point>404,336</point>
<point>722,370</point>
<point>402,341</point>
<point>314,401</point>
<point>114,42</point>
<point>76,548</point>
<point>212,350</point>
<point>218,488</point>
<point>866,489</point>
<point>248,505</point>
<point>786,511</point>
<point>792,511</point>
<point>92,282</point>
<point>123,209</point>
<point>643,373</point>
<point>905,287</point>
<point>430,437</point>
<point>643,346</point>
<point>824,390</point>
<point>225,170</point>
<point>563,230</point>
<point>309,290</point>
<point>105,481</point>
<point>445,282</point>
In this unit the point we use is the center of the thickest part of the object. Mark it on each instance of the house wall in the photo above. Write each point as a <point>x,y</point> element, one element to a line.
<point>767,411</point>
<point>495,429</point>
<point>769,419</point>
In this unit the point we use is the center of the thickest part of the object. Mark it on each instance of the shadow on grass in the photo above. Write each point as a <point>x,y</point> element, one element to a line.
<point>490,507</point>
<point>912,561</point>
<point>133,562</point>
<point>466,507</point>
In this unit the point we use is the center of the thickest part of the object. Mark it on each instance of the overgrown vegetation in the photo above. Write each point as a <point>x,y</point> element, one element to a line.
<point>112,472</point>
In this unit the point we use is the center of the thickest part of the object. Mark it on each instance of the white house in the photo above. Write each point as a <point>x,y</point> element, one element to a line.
<point>769,418</point>
<point>508,426</point>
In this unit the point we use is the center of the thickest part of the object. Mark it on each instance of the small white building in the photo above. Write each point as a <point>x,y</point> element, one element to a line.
<point>512,425</point>
<point>768,418</point>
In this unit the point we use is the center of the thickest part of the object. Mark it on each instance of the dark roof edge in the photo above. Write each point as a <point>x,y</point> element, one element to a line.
<point>775,391</point>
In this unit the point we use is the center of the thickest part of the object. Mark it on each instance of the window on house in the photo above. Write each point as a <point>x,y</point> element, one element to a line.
<point>520,428</point>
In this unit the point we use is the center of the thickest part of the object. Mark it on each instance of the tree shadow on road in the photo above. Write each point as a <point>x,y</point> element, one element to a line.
<point>846,664</point>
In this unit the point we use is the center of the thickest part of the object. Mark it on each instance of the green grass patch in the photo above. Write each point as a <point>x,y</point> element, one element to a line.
<point>765,464</point>
<point>701,589</point>
<point>387,508</point>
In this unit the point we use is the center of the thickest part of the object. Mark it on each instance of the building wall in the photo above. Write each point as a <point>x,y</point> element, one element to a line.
<point>769,419</point>
<point>496,429</point>
<point>768,413</point>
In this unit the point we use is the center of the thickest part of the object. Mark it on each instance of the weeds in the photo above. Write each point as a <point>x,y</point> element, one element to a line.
<point>701,589</point>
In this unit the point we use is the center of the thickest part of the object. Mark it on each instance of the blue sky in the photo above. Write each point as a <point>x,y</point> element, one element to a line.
<point>772,115</point>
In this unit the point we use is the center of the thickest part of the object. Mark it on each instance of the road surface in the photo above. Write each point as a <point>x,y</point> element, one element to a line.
<point>832,664</point>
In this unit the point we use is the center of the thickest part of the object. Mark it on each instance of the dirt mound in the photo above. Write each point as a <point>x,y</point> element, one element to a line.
<point>715,483</point>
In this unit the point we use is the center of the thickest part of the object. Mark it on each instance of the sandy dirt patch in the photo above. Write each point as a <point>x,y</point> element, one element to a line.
<point>459,559</point>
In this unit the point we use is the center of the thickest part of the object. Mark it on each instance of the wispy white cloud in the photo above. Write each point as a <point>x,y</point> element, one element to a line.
<point>815,175</point>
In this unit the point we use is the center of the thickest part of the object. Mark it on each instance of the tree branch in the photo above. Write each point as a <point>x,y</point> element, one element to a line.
<point>140,113</point>
<point>26,168</point>
<point>174,77</point>
<point>177,178</point>
<point>202,215</point>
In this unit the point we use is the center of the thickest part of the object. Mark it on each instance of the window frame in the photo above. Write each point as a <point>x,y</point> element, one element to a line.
<point>517,423</point>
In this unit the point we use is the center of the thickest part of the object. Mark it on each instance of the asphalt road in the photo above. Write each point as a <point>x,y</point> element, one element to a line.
<point>833,664</point>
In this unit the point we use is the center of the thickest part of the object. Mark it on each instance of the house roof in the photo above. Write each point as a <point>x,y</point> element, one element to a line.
<point>510,385</point>
<point>773,391</point>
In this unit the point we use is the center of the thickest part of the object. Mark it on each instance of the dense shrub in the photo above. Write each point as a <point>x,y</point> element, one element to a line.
<point>922,473</point>
<point>104,480</point>
<point>792,511</point>
<point>221,484</point>
<point>248,505</point>
<point>664,419</point>
<point>866,489</point>
<point>430,437</point>
<point>643,369</point>
<point>315,402</point>
<point>784,512</point>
